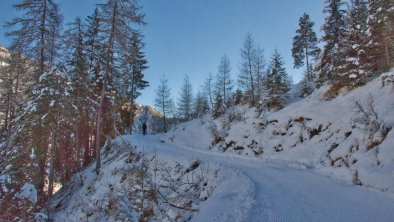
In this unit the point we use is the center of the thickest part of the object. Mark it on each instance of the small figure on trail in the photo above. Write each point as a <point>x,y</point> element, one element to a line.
<point>144,129</point>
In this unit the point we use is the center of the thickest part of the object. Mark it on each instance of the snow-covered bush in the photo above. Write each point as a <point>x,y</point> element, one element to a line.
<point>368,121</point>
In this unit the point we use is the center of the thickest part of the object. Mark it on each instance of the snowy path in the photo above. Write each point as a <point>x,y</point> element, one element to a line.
<point>260,190</point>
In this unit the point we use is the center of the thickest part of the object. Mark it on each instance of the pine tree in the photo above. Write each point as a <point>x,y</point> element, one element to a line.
<point>218,108</point>
<point>247,77</point>
<point>185,100</point>
<point>259,67</point>
<point>356,65</point>
<point>224,83</point>
<point>77,64</point>
<point>307,86</point>
<point>132,77</point>
<point>118,20</point>
<point>305,45</point>
<point>277,82</point>
<point>36,36</point>
<point>381,23</point>
<point>163,101</point>
<point>209,89</point>
<point>201,105</point>
<point>335,31</point>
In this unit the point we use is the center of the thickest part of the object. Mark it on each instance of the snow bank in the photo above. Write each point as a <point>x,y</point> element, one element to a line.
<point>314,133</point>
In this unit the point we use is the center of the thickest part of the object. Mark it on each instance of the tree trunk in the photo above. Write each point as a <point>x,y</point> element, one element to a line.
<point>51,169</point>
<point>98,130</point>
<point>386,49</point>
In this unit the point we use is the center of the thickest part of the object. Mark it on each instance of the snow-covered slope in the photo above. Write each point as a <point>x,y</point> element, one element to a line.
<point>327,136</point>
<point>259,168</point>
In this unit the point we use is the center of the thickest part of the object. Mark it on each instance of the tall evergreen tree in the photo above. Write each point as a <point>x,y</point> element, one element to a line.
<point>209,89</point>
<point>305,45</point>
<point>133,65</point>
<point>335,31</point>
<point>356,49</point>
<point>259,67</point>
<point>224,83</point>
<point>185,100</point>
<point>163,101</point>
<point>381,23</point>
<point>247,77</point>
<point>277,82</point>
<point>118,20</point>
<point>200,105</point>
<point>77,64</point>
<point>35,34</point>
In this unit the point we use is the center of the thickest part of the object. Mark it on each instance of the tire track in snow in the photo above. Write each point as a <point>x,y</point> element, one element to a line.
<point>233,199</point>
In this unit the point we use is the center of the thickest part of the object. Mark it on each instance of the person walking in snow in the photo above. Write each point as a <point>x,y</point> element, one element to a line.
<point>144,128</point>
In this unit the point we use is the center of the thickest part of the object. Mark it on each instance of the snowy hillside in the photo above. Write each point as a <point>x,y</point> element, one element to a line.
<point>328,136</point>
<point>268,167</point>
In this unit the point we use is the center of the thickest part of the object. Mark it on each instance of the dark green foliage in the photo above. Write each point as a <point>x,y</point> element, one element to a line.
<point>381,44</point>
<point>185,100</point>
<point>305,44</point>
<point>218,108</point>
<point>357,63</point>
<point>335,31</point>
<point>277,82</point>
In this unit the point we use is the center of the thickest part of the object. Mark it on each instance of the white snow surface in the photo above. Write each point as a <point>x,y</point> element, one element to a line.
<point>268,173</point>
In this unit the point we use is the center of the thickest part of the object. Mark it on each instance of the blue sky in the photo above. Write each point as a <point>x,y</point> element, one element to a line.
<point>190,36</point>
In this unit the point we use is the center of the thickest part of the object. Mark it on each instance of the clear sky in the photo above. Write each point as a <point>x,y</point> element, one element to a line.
<point>190,36</point>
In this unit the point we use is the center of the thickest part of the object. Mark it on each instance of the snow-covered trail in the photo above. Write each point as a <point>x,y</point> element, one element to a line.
<point>254,189</point>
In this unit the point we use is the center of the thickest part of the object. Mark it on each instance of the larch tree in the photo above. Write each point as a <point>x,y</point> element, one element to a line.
<point>118,21</point>
<point>77,67</point>
<point>247,77</point>
<point>35,34</point>
<point>209,89</point>
<point>200,105</point>
<point>185,100</point>
<point>163,101</point>
<point>259,67</point>
<point>36,31</point>
<point>133,65</point>
<point>224,83</point>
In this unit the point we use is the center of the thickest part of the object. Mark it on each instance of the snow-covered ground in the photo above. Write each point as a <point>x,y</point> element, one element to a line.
<point>310,133</point>
<point>254,189</point>
<point>302,163</point>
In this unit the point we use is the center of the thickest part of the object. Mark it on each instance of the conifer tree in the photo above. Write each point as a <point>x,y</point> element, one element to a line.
<point>224,83</point>
<point>335,31</point>
<point>36,35</point>
<point>77,64</point>
<point>247,77</point>
<point>185,100</point>
<point>218,108</point>
<point>259,67</point>
<point>357,64</point>
<point>200,104</point>
<point>381,23</point>
<point>209,89</point>
<point>118,20</point>
<point>163,101</point>
<point>36,32</point>
<point>277,82</point>
<point>133,64</point>
<point>305,45</point>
